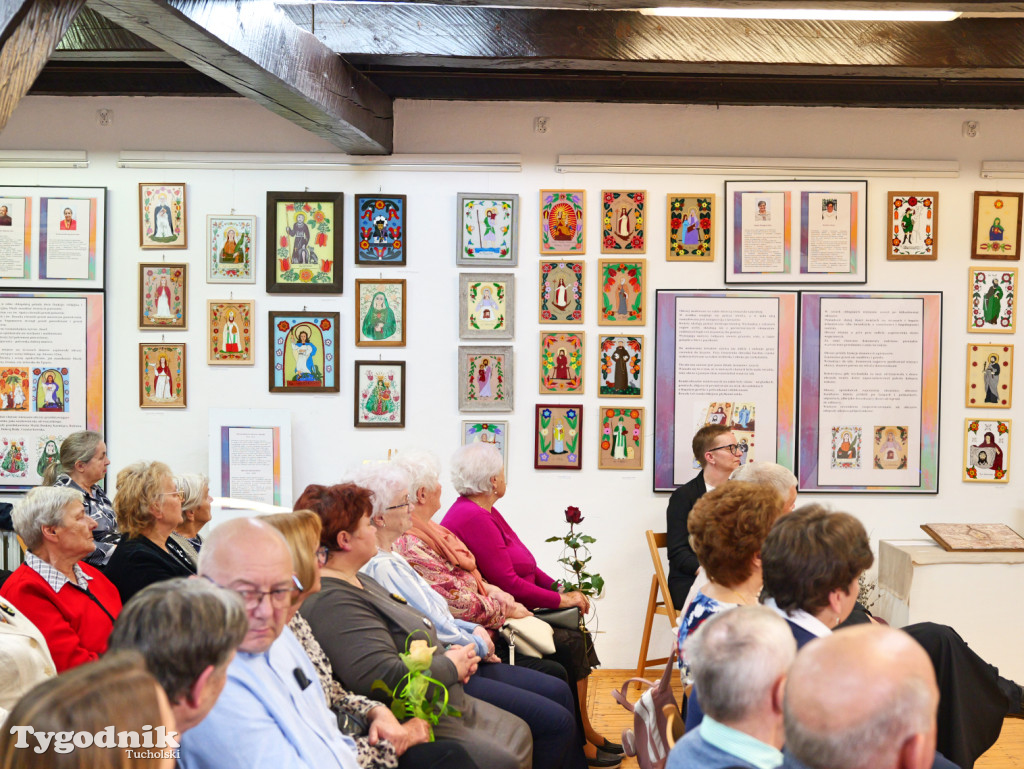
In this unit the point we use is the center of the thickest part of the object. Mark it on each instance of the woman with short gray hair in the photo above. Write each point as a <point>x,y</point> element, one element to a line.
<point>195,512</point>
<point>473,467</point>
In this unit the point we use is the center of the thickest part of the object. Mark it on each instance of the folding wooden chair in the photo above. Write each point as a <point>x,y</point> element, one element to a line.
<point>655,542</point>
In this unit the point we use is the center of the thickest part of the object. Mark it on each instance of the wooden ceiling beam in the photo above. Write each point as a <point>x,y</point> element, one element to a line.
<point>961,6</point>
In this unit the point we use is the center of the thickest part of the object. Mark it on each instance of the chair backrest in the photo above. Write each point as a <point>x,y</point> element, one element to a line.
<point>675,727</point>
<point>655,542</point>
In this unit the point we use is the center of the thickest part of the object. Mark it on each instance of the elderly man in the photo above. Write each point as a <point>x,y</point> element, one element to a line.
<point>739,660</point>
<point>187,630</point>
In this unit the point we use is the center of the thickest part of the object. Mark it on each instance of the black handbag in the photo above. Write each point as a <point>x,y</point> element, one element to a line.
<point>568,618</point>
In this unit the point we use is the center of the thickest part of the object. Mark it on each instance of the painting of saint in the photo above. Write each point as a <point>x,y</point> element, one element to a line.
<point>163,384</point>
<point>379,321</point>
<point>380,394</point>
<point>987,450</point>
<point>162,376</point>
<point>380,401</point>
<point>562,217</point>
<point>162,216</point>
<point>891,447</point>
<point>623,221</point>
<point>989,376</point>
<point>380,313</point>
<point>992,379</point>
<point>558,437</point>
<point>162,300</point>
<point>50,391</point>
<point>304,356</point>
<point>621,366</point>
<point>997,225</point>
<point>561,362</point>
<point>48,456</point>
<point>993,306</point>
<point>231,251</point>
<point>230,239</point>
<point>989,455</point>
<point>561,292</point>
<point>484,374</point>
<point>162,296</point>
<point>303,347</point>
<point>13,462</point>
<point>486,308</point>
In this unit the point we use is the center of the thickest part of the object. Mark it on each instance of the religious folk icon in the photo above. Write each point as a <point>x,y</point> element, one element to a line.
<point>162,216</point>
<point>13,459</point>
<point>562,222</point>
<point>163,290</point>
<point>992,295</point>
<point>485,378</point>
<point>486,305</point>
<point>987,450</point>
<point>48,452</point>
<point>623,221</point>
<point>50,389</point>
<point>15,383</point>
<point>558,437</point>
<point>691,228</point>
<point>622,292</point>
<point>162,383</point>
<point>891,447</point>
<point>488,230</point>
<point>561,292</point>
<point>380,313</point>
<point>997,224</point>
<point>495,432</point>
<point>622,439</point>
<point>303,351</point>
<point>913,226</point>
<point>380,393</point>
<point>846,447</point>
<point>230,249</point>
<point>561,362</point>
<point>989,376</point>
<point>381,237</point>
<point>622,366</point>
<point>304,242</point>
<point>229,332</point>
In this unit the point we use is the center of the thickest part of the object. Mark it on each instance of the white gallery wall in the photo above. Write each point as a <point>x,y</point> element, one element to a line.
<point>618,506</point>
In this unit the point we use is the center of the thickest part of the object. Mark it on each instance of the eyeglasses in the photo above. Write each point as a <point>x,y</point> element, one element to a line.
<point>179,494</point>
<point>407,503</point>
<point>322,554</point>
<point>734,448</point>
<point>280,598</point>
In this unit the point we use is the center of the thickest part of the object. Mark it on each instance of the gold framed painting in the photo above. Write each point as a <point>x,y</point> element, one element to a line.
<point>691,227</point>
<point>229,332</point>
<point>997,225</point>
<point>986,450</point>
<point>989,376</point>
<point>162,383</point>
<point>380,313</point>
<point>621,445</point>
<point>162,222</point>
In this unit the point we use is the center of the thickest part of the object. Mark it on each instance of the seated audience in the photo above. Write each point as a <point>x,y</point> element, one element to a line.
<point>187,630</point>
<point>362,628</point>
<point>24,656</point>
<point>73,604</point>
<point>116,691</point>
<point>739,659</point>
<point>148,506</point>
<point>195,513</point>
<point>82,464</point>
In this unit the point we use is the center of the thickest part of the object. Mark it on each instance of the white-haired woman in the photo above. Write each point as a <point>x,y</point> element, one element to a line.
<point>195,512</point>
<point>778,477</point>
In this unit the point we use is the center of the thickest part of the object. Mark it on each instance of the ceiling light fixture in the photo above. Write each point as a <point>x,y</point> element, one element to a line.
<point>808,14</point>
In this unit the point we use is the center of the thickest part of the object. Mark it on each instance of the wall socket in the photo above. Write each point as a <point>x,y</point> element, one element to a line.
<point>971,129</point>
<point>540,125</point>
<point>105,117</point>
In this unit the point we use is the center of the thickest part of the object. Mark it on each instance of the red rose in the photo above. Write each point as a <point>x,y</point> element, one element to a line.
<point>676,223</point>
<point>284,241</point>
<point>573,515</point>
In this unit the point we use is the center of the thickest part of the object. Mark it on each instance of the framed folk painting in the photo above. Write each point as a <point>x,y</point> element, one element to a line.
<point>303,352</point>
<point>987,450</point>
<point>489,431</point>
<point>380,393</point>
<point>230,249</point>
<point>381,236</point>
<point>561,362</point>
<point>997,224</point>
<point>15,385</point>
<point>487,305</point>
<point>989,376</point>
<point>622,292</point>
<point>229,332</point>
<point>558,437</point>
<point>622,439</point>
<point>562,222</point>
<point>380,313</point>
<point>691,228</point>
<point>992,296</point>
<point>162,383</point>
<point>485,378</point>
<point>162,216</point>
<point>623,221</point>
<point>51,388</point>
<point>561,292</point>
<point>622,366</point>
<point>163,296</point>
<point>304,242</point>
<point>488,230</point>
<point>913,226</point>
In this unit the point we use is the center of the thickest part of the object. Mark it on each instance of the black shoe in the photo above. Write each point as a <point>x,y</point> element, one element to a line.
<point>605,760</point>
<point>611,747</point>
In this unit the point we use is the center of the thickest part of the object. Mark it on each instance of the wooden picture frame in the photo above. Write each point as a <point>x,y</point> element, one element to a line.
<point>561,292</point>
<point>995,233</point>
<point>622,284</point>
<point>623,221</point>
<point>304,258</point>
<point>376,402</point>
<point>303,365</point>
<point>558,437</point>
<point>230,248</point>
<point>690,224</point>
<point>163,296</point>
<point>621,440</point>
<point>621,366</point>
<point>989,376</point>
<point>487,230</point>
<point>561,362</point>
<point>991,300</point>
<point>163,376</point>
<point>381,235</point>
<point>486,381</point>
<point>229,332</point>
<point>487,303</point>
<point>487,431</point>
<point>162,221</point>
<point>987,450</point>
<point>563,222</point>
<point>380,323</point>
<point>913,226</point>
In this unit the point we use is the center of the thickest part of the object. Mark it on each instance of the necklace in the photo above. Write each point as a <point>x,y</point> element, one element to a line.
<point>745,600</point>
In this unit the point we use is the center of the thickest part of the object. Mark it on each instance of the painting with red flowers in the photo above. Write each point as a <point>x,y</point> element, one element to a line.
<point>622,366</point>
<point>161,216</point>
<point>229,332</point>
<point>163,296</point>
<point>621,439</point>
<point>997,225</point>
<point>488,431</point>
<point>561,362</point>
<point>381,237</point>
<point>230,249</point>
<point>561,292</point>
<point>485,378</point>
<point>992,294</point>
<point>562,222</point>
<point>622,292</point>
<point>303,352</point>
<point>380,393</point>
<point>623,221</point>
<point>304,242</point>
<point>913,226</point>
<point>987,450</point>
<point>487,230</point>
<point>989,376</point>
<point>162,382</point>
<point>691,228</point>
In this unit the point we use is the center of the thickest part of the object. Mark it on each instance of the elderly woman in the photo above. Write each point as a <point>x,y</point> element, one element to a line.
<point>24,657</point>
<point>71,603</point>
<point>195,513</point>
<point>363,628</point>
<point>148,506</point>
<point>82,465</point>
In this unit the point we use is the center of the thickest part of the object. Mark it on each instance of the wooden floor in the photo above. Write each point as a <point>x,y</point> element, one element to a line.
<point>610,719</point>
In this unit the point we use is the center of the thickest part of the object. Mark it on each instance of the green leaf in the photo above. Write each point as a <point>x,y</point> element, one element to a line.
<point>586,538</point>
<point>598,582</point>
<point>553,539</point>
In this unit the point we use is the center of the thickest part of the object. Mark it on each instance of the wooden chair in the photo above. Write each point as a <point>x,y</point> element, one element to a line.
<point>675,726</point>
<point>655,542</point>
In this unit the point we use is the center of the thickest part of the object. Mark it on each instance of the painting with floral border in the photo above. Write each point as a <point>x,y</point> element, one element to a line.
<point>691,228</point>
<point>304,242</point>
<point>303,351</point>
<point>162,376</point>
<point>230,254</point>
<point>229,332</point>
<point>622,366</point>
<point>622,292</point>
<point>561,362</point>
<point>987,450</point>
<point>992,295</point>
<point>558,437</point>
<point>561,292</point>
<point>487,230</point>
<point>563,222</point>
<point>380,393</point>
<point>490,431</point>
<point>485,378</point>
<point>623,221</point>
<point>163,296</point>
<point>989,376</point>
<point>381,237</point>
<point>162,216</point>
<point>915,226</point>
<point>622,439</point>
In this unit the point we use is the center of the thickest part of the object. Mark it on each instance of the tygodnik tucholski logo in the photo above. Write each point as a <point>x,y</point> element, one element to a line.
<point>149,743</point>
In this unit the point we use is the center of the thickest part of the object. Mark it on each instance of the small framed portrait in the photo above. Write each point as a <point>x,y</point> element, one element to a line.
<point>913,226</point>
<point>992,295</point>
<point>488,230</point>
<point>303,352</point>
<point>51,388</point>
<point>558,437</point>
<point>691,228</point>
<point>622,366</point>
<point>622,439</point>
<point>381,236</point>
<point>846,447</point>
<point>622,292</point>
<point>563,222</point>
<point>304,242</point>
<point>162,222</point>
<point>987,450</point>
<point>230,249</point>
<point>485,378</point>
<point>380,393</point>
<point>890,446</point>
<point>623,221</point>
<point>996,231</point>
<point>163,296</point>
<point>490,431</point>
<point>487,305</point>
<point>989,376</point>
<point>380,313</point>
<point>229,332</point>
<point>561,292</point>
<point>561,362</point>
<point>162,383</point>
